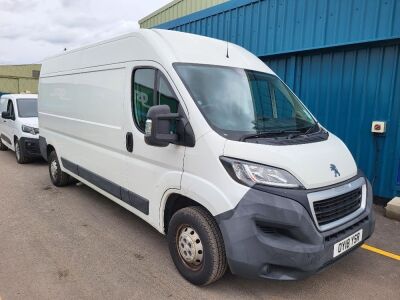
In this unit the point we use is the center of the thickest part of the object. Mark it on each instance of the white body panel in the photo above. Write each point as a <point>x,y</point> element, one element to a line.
<point>309,163</point>
<point>85,114</point>
<point>11,129</point>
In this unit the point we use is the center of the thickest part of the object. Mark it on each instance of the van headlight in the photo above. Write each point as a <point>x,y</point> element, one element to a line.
<point>250,174</point>
<point>29,129</point>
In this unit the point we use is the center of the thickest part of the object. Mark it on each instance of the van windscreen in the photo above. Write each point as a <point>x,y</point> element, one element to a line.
<point>238,102</point>
<point>27,108</point>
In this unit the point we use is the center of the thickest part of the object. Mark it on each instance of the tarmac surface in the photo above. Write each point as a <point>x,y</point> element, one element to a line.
<point>73,243</point>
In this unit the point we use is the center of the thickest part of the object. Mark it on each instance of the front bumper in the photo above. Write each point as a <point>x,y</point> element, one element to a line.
<point>30,146</point>
<point>272,236</point>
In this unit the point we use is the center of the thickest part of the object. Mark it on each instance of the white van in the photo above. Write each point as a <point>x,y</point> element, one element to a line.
<point>19,130</point>
<point>205,143</point>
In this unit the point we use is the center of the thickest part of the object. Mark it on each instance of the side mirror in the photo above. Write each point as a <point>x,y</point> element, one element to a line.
<point>158,126</point>
<point>5,115</point>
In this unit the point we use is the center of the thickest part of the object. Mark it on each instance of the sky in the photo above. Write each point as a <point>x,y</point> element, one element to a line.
<point>31,30</point>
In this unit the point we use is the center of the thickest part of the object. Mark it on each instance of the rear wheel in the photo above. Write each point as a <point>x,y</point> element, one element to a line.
<point>20,154</point>
<point>196,245</point>
<point>57,176</point>
<point>2,146</point>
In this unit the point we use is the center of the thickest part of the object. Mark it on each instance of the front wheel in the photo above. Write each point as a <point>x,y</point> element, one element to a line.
<point>57,176</point>
<point>196,245</point>
<point>20,154</point>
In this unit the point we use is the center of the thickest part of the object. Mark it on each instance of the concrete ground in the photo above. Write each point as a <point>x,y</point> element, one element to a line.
<point>73,243</point>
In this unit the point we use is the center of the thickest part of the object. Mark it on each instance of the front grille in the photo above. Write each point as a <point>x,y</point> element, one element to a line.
<point>332,209</point>
<point>32,147</point>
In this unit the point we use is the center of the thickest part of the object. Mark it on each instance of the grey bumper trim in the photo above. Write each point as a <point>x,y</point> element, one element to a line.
<point>274,236</point>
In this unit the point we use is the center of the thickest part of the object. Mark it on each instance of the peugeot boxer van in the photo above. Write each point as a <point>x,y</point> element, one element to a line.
<point>205,143</point>
<point>19,129</point>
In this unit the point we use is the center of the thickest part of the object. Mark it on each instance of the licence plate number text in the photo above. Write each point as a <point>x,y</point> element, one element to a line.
<point>347,243</point>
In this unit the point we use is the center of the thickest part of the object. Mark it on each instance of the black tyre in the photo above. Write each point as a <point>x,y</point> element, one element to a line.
<point>20,154</point>
<point>57,176</point>
<point>2,146</point>
<point>196,245</point>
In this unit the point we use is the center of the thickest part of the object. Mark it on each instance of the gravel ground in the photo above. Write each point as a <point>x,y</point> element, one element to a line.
<point>59,243</point>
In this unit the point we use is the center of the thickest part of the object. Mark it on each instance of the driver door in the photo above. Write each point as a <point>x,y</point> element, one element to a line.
<point>150,170</point>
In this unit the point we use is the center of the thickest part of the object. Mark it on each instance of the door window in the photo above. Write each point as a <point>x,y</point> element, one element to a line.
<point>165,94</point>
<point>150,87</point>
<point>143,94</point>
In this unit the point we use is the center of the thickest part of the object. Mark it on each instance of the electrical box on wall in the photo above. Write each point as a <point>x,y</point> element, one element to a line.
<point>378,127</point>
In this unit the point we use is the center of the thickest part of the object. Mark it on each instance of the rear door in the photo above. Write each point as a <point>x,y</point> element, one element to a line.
<point>3,108</point>
<point>150,170</point>
<point>8,125</point>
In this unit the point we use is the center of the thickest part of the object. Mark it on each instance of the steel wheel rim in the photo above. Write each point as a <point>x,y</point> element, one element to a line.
<point>190,247</point>
<point>53,169</point>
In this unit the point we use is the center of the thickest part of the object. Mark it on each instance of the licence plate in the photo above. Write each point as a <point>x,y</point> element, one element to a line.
<point>347,243</point>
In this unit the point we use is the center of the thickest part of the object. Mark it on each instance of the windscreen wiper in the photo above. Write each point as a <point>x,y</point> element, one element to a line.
<point>266,134</point>
<point>309,130</point>
<point>316,125</point>
<point>292,133</point>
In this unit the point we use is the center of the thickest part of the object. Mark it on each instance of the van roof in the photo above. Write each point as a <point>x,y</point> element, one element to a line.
<point>19,96</point>
<point>163,46</point>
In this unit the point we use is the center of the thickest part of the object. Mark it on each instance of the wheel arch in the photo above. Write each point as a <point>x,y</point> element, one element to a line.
<point>49,148</point>
<point>175,201</point>
<point>196,191</point>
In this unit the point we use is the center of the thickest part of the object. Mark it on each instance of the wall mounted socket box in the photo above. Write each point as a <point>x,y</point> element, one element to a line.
<point>378,127</point>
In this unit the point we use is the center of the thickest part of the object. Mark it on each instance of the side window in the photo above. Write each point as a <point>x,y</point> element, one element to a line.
<point>143,94</point>
<point>150,87</point>
<point>165,94</point>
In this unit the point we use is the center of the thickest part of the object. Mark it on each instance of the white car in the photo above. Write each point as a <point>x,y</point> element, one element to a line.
<point>19,130</point>
<point>204,142</point>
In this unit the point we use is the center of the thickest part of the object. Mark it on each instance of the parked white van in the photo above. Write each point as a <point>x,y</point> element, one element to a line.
<point>19,130</point>
<point>205,143</point>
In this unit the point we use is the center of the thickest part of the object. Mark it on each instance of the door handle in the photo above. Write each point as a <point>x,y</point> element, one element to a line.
<point>129,142</point>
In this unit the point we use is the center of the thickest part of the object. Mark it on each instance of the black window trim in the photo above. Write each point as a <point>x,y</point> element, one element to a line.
<point>12,113</point>
<point>155,87</point>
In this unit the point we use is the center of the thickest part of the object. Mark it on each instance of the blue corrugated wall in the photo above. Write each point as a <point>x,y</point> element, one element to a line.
<point>346,89</point>
<point>340,56</point>
<point>279,26</point>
